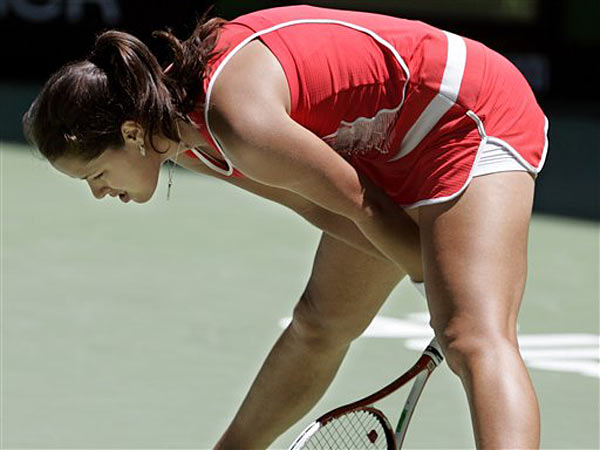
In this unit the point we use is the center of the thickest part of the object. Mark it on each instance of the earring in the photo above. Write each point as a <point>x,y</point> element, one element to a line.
<point>142,149</point>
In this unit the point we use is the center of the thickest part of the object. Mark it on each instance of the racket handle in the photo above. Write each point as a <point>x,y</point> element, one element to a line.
<point>434,351</point>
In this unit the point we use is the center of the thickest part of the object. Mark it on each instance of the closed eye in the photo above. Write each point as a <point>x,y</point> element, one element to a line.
<point>98,176</point>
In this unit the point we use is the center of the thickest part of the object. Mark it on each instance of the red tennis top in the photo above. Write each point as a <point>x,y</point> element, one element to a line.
<point>407,104</point>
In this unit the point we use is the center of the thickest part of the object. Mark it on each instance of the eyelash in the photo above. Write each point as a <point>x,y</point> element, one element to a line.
<point>99,175</point>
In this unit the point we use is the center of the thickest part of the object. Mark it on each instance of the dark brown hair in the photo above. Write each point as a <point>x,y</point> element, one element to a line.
<point>80,109</point>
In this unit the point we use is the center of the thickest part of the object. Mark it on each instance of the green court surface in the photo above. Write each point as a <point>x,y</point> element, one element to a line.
<point>142,326</point>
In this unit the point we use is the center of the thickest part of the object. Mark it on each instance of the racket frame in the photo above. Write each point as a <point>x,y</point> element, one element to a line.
<point>420,371</point>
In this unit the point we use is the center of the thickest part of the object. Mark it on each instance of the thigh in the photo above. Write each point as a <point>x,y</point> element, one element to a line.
<point>475,255</point>
<point>345,290</point>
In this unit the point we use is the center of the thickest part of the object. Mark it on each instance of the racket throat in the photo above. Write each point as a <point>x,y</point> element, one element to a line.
<point>409,407</point>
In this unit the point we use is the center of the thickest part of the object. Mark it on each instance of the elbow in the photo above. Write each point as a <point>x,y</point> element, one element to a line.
<point>365,212</point>
<point>369,203</point>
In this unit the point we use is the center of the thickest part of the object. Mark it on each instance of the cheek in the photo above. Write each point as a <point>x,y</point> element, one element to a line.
<point>139,177</point>
<point>140,173</point>
<point>147,179</point>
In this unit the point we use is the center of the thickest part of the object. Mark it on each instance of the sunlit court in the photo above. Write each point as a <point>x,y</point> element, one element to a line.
<point>141,326</point>
<point>129,324</point>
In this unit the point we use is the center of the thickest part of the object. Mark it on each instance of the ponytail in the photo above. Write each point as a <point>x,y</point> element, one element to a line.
<point>190,60</point>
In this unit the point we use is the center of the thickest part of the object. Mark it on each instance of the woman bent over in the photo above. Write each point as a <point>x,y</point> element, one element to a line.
<point>414,149</point>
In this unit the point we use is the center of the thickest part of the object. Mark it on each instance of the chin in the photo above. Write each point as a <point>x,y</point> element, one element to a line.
<point>145,192</point>
<point>140,200</point>
<point>144,197</point>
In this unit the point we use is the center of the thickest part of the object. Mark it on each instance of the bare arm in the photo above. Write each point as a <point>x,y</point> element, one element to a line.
<point>253,86</point>
<point>272,149</point>
<point>286,163</point>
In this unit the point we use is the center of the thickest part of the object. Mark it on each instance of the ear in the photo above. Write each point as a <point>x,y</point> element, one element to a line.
<point>133,132</point>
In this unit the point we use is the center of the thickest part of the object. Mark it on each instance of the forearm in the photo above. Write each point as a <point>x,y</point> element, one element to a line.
<point>292,379</point>
<point>343,229</point>
<point>390,230</point>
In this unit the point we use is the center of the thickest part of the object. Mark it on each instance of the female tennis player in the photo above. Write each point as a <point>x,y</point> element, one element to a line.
<point>413,148</point>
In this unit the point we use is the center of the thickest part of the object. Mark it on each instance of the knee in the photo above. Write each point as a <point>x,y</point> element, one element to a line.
<point>321,328</point>
<point>467,346</point>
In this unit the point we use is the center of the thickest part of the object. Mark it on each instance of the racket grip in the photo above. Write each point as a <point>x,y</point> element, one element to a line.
<point>435,351</point>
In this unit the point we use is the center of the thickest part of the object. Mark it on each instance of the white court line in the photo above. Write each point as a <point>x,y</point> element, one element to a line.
<point>567,352</point>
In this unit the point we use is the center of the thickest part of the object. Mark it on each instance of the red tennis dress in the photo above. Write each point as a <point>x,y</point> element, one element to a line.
<point>409,105</point>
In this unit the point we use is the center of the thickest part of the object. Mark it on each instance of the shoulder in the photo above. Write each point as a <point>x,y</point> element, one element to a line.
<point>249,100</point>
<point>251,78</point>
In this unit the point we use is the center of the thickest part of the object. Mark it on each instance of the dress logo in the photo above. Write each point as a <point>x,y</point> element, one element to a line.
<point>365,134</point>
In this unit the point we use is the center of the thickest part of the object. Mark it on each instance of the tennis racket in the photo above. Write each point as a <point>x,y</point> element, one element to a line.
<point>359,425</point>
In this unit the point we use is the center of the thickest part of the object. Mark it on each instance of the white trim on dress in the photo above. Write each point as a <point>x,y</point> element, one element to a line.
<point>442,102</point>
<point>484,140</point>
<point>238,47</point>
<point>208,162</point>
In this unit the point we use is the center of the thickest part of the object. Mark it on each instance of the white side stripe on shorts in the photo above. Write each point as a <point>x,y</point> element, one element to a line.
<point>445,98</point>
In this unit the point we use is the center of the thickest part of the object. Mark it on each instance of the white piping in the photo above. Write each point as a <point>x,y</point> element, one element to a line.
<point>484,140</point>
<point>445,99</point>
<point>209,163</point>
<point>449,88</point>
<point>518,157</point>
<point>374,35</point>
<point>433,201</point>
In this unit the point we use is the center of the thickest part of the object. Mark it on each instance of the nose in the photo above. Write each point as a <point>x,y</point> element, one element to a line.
<point>100,193</point>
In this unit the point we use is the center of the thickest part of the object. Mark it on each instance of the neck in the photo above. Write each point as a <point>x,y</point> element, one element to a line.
<point>190,136</point>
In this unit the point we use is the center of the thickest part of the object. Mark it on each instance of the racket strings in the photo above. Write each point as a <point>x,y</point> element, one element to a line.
<point>361,429</point>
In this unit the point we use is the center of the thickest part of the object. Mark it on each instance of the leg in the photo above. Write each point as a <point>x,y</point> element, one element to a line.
<point>346,289</point>
<point>475,265</point>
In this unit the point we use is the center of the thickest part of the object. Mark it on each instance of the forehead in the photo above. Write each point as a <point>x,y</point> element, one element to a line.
<point>77,167</point>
